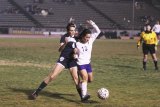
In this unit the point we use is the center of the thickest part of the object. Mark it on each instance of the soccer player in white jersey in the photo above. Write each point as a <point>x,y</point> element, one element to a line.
<point>84,49</point>
<point>156,29</point>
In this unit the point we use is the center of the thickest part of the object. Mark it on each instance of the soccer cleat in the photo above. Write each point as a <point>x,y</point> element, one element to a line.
<point>156,68</point>
<point>144,68</point>
<point>85,98</point>
<point>33,96</point>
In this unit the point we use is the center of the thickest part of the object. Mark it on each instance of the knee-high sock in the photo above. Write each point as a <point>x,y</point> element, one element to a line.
<point>79,90</point>
<point>84,88</point>
<point>41,86</point>
<point>155,64</point>
<point>144,64</point>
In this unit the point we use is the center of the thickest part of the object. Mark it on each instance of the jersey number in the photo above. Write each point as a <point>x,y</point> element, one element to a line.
<point>84,48</point>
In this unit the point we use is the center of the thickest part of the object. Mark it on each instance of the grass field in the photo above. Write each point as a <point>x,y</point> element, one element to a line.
<point>117,66</point>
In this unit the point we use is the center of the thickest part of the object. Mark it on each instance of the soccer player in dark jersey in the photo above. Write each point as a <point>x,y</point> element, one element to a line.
<point>66,60</point>
<point>68,34</point>
<point>150,41</point>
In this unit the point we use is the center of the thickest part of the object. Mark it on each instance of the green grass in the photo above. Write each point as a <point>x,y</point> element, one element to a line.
<point>117,65</point>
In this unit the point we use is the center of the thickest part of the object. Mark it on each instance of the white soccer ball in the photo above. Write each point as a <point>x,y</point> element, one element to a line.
<point>103,93</point>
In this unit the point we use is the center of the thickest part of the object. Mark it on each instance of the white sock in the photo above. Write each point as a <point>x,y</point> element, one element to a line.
<point>84,88</point>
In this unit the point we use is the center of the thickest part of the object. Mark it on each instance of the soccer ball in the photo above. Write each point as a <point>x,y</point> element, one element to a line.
<point>103,93</point>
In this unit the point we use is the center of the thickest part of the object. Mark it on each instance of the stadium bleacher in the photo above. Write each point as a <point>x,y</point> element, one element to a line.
<point>108,14</point>
<point>11,17</point>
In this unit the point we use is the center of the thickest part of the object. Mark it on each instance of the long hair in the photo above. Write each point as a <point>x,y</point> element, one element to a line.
<point>84,33</point>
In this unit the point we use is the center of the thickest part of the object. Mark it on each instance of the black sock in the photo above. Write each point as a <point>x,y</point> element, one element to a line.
<point>79,91</point>
<point>144,64</point>
<point>155,64</point>
<point>41,86</point>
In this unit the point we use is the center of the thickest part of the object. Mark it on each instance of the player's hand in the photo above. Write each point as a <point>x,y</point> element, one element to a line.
<point>137,47</point>
<point>71,20</point>
<point>75,51</point>
<point>75,56</point>
<point>156,48</point>
<point>90,22</point>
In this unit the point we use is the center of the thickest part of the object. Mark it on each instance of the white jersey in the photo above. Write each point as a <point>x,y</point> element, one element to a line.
<point>156,28</point>
<point>85,49</point>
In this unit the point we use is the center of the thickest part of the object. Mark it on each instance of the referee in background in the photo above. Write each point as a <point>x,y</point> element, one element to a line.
<point>149,42</point>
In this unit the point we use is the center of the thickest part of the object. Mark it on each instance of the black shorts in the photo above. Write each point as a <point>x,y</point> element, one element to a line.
<point>158,33</point>
<point>148,48</point>
<point>66,62</point>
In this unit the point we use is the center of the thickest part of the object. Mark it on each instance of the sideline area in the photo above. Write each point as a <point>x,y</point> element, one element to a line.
<point>28,36</point>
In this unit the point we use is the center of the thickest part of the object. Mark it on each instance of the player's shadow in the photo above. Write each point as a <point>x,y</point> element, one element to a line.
<point>55,95</point>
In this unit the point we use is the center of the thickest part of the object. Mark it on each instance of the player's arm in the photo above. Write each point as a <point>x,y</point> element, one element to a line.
<point>140,40</point>
<point>75,53</point>
<point>156,39</point>
<point>95,27</point>
<point>62,44</point>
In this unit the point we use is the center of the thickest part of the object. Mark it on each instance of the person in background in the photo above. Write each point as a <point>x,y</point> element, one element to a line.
<point>148,39</point>
<point>156,29</point>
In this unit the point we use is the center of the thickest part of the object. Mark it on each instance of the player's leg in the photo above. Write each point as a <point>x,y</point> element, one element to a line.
<point>154,57</point>
<point>84,75</point>
<point>76,79</point>
<point>145,55</point>
<point>90,77</point>
<point>90,73</point>
<point>74,74</point>
<point>54,73</point>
